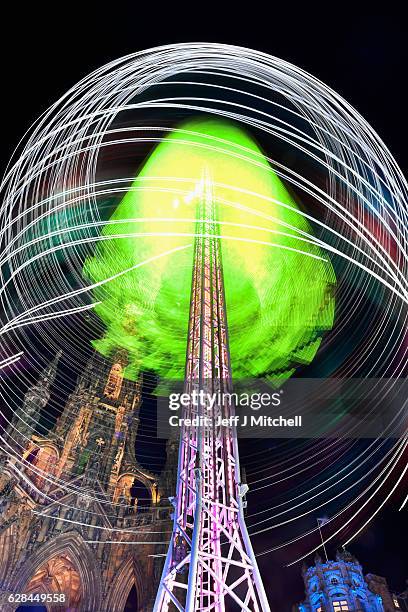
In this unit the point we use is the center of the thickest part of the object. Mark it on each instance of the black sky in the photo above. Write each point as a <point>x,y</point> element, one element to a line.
<point>363,55</point>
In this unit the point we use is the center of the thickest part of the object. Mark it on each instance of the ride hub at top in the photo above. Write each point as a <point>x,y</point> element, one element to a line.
<point>278,281</point>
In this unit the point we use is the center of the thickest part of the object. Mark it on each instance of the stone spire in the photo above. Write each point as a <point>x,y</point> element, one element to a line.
<point>26,418</point>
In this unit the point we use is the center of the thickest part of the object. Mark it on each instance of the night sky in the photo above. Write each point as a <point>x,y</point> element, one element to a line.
<point>362,55</point>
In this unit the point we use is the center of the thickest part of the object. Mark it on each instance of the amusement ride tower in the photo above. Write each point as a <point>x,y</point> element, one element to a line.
<point>210,564</point>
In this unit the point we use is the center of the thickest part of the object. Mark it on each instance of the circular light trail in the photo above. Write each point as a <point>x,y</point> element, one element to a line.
<point>354,207</point>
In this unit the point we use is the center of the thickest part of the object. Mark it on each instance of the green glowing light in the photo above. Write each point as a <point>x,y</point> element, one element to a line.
<point>279,300</point>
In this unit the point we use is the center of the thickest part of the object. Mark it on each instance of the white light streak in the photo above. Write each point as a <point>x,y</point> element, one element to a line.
<point>50,216</point>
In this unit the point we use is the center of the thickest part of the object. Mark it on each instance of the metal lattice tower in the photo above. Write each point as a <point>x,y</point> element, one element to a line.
<point>210,564</point>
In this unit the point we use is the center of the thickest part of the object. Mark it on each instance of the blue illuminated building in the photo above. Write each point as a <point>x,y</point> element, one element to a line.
<point>337,586</point>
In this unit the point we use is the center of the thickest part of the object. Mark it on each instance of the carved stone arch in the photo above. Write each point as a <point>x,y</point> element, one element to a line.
<point>125,478</point>
<point>127,576</point>
<point>71,545</point>
<point>38,443</point>
<point>338,591</point>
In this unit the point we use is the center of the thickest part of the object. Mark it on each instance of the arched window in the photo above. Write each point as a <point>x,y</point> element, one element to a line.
<point>131,603</point>
<point>141,496</point>
<point>134,493</point>
<point>32,455</point>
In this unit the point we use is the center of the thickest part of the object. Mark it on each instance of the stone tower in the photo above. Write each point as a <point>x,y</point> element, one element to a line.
<point>79,515</point>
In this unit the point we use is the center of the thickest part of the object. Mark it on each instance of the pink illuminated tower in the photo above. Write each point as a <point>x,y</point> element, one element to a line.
<point>210,564</point>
